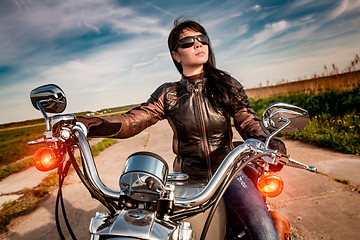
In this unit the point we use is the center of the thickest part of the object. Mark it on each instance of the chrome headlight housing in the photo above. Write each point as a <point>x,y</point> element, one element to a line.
<point>144,176</point>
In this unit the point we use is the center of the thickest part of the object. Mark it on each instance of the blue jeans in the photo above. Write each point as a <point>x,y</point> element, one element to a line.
<point>246,207</point>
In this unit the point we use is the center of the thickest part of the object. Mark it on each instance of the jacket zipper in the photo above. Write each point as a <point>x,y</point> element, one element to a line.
<point>206,146</point>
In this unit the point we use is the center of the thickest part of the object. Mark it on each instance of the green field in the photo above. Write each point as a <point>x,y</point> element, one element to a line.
<point>14,136</point>
<point>13,143</point>
<point>334,117</point>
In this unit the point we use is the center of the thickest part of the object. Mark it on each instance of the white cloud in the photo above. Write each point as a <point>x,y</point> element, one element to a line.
<point>344,7</point>
<point>42,22</point>
<point>255,8</point>
<point>259,64</point>
<point>242,29</point>
<point>127,72</point>
<point>270,31</point>
<point>115,75</point>
<point>340,9</point>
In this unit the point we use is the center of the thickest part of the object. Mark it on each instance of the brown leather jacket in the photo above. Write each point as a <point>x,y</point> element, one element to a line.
<point>202,136</point>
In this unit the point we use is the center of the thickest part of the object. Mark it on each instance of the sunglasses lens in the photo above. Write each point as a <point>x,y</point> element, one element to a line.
<point>189,41</point>
<point>186,42</point>
<point>203,39</point>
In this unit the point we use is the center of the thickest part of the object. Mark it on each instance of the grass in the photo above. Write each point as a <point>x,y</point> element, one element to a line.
<point>22,124</point>
<point>334,117</point>
<point>341,133</point>
<point>13,213</point>
<point>31,197</point>
<point>343,181</point>
<point>335,81</point>
<point>28,162</point>
<point>13,143</point>
<point>16,167</point>
<point>14,137</point>
<point>332,102</point>
<point>9,204</point>
<point>107,142</point>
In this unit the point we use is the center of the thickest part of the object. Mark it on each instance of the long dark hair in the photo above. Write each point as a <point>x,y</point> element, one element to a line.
<point>219,87</point>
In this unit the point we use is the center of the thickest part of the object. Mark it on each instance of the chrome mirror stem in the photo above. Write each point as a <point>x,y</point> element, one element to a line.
<point>47,120</point>
<point>287,122</point>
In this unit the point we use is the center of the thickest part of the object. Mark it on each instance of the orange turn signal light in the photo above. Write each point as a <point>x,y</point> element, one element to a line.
<point>270,184</point>
<point>45,159</point>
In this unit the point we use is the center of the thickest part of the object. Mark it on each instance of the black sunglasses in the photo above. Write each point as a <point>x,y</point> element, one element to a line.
<point>189,41</point>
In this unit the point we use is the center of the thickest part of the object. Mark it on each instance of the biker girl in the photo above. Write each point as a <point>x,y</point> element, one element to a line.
<point>198,108</point>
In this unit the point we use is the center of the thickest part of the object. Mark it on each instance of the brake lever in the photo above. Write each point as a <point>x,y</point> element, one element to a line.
<point>37,141</point>
<point>297,164</point>
<point>286,160</point>
<point>50,139</point>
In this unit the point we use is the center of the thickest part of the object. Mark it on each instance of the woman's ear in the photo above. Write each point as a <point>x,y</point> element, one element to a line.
<point>176,56</point>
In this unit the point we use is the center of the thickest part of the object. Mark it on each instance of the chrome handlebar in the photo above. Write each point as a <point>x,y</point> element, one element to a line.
<point>89,165</point>
<point>249,146</point>
<point>199,199</point>
<point>217,179</point>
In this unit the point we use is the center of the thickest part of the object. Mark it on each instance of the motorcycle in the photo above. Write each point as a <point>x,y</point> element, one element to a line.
<point>153,203</point>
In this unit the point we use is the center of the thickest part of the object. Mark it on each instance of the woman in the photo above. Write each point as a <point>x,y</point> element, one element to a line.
<point>199,108</point>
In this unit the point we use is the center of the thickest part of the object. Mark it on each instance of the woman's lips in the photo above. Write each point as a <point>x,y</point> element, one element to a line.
<point>200,53</point>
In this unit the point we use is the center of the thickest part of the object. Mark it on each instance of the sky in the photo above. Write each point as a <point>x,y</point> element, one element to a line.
<point>110,53</point>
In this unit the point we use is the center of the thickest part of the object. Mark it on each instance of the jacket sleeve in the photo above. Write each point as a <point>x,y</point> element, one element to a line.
<point>129,123</point>
<point>247,123</point>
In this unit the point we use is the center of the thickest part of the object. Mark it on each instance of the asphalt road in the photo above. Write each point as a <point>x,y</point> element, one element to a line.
<point>317,206</point>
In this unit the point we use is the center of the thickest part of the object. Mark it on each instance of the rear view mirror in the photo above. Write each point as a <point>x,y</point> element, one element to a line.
<point>50,97</point>
<point>285,117</point>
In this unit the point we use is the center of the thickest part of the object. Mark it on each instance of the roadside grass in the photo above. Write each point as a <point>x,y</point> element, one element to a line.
<point>16,167</point>
<point>343,181</point>
<point>14,138</point>
<point>107,142</point>
<point>14,143</point>
<point>334,121</point>
<point>334,81</point>
<point>31,197</point>
<point>332,102</point>
<point>341,133</point>
<point>22,124</point>
<point>348,185</point>
<point>334,118</point>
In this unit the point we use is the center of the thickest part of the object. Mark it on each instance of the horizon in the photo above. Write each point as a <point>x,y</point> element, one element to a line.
<point>112,53</point>
<point>279,84</point>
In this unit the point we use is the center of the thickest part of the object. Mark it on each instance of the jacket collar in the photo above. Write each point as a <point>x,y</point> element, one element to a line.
<point>190,87</point>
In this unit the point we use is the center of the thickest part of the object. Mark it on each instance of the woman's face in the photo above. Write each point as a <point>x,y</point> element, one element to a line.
<point>193,57</point>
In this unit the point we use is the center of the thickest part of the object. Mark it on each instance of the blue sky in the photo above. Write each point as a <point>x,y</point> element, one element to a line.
<point>107,53</point>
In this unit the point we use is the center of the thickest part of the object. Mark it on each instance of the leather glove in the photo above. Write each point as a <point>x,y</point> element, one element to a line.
<point>275,144</point>
<point>99,127</point>
<point>89,121</point>
<point>279,145</point>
